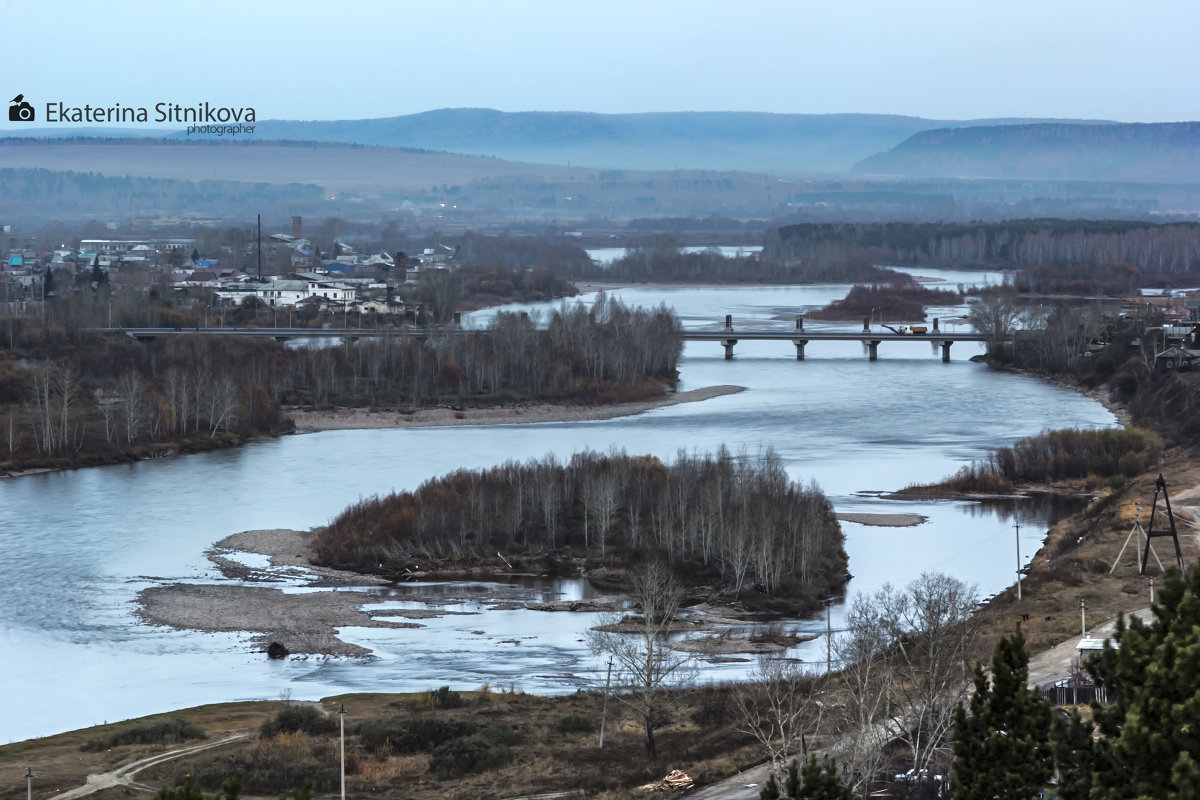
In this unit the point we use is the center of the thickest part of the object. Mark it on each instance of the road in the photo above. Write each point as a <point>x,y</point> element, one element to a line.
<point>123,776</point>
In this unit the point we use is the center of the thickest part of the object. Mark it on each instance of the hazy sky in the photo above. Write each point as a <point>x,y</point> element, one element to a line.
<point>1128,60</point>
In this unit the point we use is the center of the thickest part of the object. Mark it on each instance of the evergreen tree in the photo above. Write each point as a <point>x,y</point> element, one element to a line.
<point>231,789</point>
<point>814,782</point>
<point>1074,755</point>
<point>99,276</point>
<point>1002,749</point>
<point>1151,726</point>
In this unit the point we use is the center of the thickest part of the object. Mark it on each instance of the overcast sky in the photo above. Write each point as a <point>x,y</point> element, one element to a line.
<point>1127,60</point>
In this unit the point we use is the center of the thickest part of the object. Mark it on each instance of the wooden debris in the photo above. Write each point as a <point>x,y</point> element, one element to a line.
<point>677,779</point>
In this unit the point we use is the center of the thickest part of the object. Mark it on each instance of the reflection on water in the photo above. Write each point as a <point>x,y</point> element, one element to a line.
<point>1034,508</point>
<point>76,547</point>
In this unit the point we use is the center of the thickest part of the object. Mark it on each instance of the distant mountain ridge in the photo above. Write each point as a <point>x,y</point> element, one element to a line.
<point>718,140</point>
<point>1164,152</point>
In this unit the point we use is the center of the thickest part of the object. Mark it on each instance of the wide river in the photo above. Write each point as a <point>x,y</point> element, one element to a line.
<point>76,547</point>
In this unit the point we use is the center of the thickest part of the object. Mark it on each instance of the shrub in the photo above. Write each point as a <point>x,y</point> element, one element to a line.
<point>308,719</point>
<point>442,697</point>
<point>168,731</point>
<point>411,736</point>
<point>468,754</point>
<point>575,723</point>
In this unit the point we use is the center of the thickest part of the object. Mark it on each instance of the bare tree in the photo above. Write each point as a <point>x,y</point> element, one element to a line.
<point>865,687</point>
<point>778,707</point>
<point>136,408</point>
<point>647,668</point>
<point>994,314</point>
<point>932,628</point>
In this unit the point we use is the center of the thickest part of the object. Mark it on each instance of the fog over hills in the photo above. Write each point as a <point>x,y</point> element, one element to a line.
<point>1159,152</point>
<point>757,142</point>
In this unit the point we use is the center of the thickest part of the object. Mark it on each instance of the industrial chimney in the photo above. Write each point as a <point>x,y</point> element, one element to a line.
<point>297,227</point>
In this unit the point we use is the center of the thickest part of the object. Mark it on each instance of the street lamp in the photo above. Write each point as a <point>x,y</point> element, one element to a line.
<point>29,776</point>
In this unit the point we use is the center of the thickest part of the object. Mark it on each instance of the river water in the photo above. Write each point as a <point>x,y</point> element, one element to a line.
<point>76,547</point>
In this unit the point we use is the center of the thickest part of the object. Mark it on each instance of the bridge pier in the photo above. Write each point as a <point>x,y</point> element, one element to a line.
<point>867,326</point>
<point>872,349</point>
<point>946,350</point>
<point>728,345</point>
<point>800,348</point>
<point>935,324</point>
<point>800,322</point>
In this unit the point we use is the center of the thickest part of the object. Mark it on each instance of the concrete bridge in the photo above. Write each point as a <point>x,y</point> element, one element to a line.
<point>727,337</point>
<point>801,337</point>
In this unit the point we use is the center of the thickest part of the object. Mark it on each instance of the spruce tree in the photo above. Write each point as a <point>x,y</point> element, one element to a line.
<point>1151,724</point>
<point>1074,755</point>
<point>814,782</point>
<point>1002,747</point>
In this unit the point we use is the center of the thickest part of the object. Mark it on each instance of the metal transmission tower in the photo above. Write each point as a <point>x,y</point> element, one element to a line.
<point>1140,532</point>
<point>1160,485</point>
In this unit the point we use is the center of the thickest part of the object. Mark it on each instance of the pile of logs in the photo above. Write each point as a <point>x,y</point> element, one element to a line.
<point>677,779</point>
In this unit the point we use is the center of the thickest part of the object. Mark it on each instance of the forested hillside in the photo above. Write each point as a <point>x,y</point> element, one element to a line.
<point>1159,152</point>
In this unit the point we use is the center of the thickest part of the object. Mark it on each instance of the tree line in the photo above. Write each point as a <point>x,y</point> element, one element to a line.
<point>895,300</point>
<point>736,519</point>
<point>1165,249</point>
<point>667,263</point>
<point>91,394</point>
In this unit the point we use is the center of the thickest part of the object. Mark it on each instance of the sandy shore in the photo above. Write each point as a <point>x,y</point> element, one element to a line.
<point>307,623</point>
<point>303,623</point>
<point>360,418</point>
<point>884,520</point>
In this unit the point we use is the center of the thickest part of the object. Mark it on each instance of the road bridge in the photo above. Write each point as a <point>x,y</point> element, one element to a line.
<point>728,336</point>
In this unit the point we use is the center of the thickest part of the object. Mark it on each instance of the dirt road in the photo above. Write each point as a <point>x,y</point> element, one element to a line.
<point>123,776</point>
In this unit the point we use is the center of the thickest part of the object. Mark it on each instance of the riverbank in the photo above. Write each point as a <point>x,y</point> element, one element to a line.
<point>364,418</point>
<point>308,623</point>
<point>143,451</point>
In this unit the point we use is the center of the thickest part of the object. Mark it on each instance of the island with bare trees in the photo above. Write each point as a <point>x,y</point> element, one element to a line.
<point>731,522</point>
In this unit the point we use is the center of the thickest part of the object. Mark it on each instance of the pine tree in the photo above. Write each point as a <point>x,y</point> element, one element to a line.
<point>1152,723</point>
<point>814,782</point>
<point>1074,755</point>
<point>1002,748</point>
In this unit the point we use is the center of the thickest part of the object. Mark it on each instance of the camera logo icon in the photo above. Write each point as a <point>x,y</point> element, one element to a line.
<point>20,110</point>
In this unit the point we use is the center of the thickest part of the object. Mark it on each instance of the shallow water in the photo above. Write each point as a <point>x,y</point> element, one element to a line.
<point>75,547</point>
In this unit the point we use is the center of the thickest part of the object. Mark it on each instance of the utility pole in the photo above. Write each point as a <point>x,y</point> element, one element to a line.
<point>1018,527</point>
<point>604,707</point>
<point>342,739</point>
<point>1083,617</point>
<point>828,638</point>
<point>260,246</point>
<point>1152,591</point>
<point>29,776</point>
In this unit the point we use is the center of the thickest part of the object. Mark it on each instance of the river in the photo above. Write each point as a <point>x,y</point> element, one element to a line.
<point>76,547</point>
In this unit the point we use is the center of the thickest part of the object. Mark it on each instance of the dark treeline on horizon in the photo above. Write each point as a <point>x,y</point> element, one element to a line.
<point>738,519</point>
<point>1154,249</point>
<point>660,258</point>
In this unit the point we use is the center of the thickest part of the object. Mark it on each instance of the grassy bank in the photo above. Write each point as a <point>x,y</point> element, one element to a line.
<point>426,745</point>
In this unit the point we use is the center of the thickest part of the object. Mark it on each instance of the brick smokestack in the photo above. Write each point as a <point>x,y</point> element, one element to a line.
<point>297,227</point>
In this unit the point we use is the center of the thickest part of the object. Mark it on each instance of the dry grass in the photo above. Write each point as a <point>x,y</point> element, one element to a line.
<point>1074,563</point>
<point>699,740</point>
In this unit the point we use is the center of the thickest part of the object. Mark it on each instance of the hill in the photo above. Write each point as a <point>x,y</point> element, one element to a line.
<point>760,142</point>
<point>337,167</point>
<point>1159,152</point>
